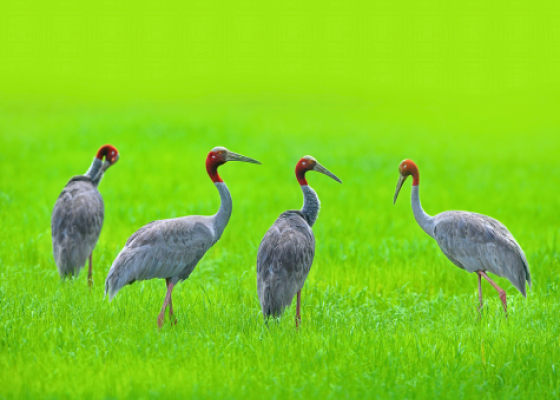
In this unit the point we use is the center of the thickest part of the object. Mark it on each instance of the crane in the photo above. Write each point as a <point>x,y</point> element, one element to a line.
<point>170,249</point>
<point>286,252</point>
<point>77,216</point>
<point>473,242</point>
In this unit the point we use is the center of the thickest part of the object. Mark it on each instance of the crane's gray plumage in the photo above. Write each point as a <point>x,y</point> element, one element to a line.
<point>471,241</point>
<point>286,252</point>
<point>76,223</point>
<point>77,217</point>
<point>475,242</point>
<point>162,249</point>
<point>283,261</point>
<point>170,249</point>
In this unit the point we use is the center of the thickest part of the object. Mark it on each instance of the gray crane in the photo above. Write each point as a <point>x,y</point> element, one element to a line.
<point>77,217</point>
<point>170,249</point>
<point>473,242</point>
<point>287,249</point>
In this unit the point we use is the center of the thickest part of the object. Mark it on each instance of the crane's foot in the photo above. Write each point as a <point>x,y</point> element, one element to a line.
<point>504,302</point>
<point>160,320</point>
<point>90,282</point>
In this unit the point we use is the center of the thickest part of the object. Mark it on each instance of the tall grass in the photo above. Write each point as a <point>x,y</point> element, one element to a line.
<point>385,314</point>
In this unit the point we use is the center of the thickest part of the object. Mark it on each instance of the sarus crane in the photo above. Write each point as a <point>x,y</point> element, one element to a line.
<point>77,216</point>
<point>288,247</point>
<point>170,249</point>
<point>473,242</point>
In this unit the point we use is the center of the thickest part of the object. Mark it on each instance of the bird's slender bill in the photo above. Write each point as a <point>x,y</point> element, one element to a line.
<point>319,168</point>
<point>104,167</point>
<point>238,157</point>
<point>399,186</point>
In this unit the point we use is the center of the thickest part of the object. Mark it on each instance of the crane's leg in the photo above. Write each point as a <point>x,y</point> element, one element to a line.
<point>298,308</point>
<point>167,282</point>
<point>480,293</point>
<point>161,316</point>
<point>89,276</point>
<point>499,289</point>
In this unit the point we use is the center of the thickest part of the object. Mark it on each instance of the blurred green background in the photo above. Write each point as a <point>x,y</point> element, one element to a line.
<point>180,49</point>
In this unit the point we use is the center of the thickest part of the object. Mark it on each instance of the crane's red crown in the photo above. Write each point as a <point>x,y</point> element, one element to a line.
<point>216,157</point>
<point>110,153</point>
<point>407,168</point>
<point>307,163</point>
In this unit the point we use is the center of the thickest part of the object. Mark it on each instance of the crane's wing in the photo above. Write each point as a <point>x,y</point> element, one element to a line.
<point>476,242</point>
<point>76,223</point>
<point>283,261</point>
<point>164,249</point>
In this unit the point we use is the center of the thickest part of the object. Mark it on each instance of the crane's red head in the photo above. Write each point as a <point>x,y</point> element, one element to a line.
<point>110,153</point>
<point>406,169</point>
<point>219,156</point>
<point>308,163</point>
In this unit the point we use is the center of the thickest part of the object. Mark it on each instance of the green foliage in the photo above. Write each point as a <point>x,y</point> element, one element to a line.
<point>385,315</point>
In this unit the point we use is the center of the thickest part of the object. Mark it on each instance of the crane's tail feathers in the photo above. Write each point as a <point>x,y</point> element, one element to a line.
<point>112,286</point>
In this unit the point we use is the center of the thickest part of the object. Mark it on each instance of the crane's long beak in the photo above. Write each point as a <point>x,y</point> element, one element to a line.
<point>104,167</point>
<point>230,156</point>
<point>319,168</point>
<point>399,186</point>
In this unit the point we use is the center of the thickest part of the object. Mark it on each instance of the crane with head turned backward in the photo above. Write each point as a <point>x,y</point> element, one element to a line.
<point>287,249</point>
<point>473,242</point>
<point>77,216</point>
<point>170,249</point>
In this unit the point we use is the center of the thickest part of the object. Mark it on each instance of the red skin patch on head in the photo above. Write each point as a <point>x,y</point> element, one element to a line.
<point>109,152</point>
<point>213,161</point>
<point>409,167</point>
<point>302,167</point>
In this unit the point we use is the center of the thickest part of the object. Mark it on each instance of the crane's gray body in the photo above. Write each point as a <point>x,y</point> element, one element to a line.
<point>476,242</point>
<point>168,249</point>
<point>285,256</point>
<point>76,221</point>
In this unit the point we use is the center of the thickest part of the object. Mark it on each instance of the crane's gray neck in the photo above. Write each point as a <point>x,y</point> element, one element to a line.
<point>221,219</point>
<point>425,221</point>
<point>311,204</point>
<point>94,171</point>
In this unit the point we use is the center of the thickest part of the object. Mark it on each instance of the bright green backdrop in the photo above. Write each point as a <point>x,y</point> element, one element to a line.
<point>165,49</point>
<point>470,90</point>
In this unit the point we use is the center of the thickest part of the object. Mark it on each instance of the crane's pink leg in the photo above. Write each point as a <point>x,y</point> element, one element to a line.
<point>298,307</point>
<point>167,282</point>
<point>161,316</point>
<point>480,293</point>
<point>89,276</point>
<point>499,289</point>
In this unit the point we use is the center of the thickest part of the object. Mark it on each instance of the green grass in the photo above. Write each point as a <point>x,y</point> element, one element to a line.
<point>385,315</point>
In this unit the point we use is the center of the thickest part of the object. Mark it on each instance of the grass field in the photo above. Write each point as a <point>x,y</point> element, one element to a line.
<point>385,315</point>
